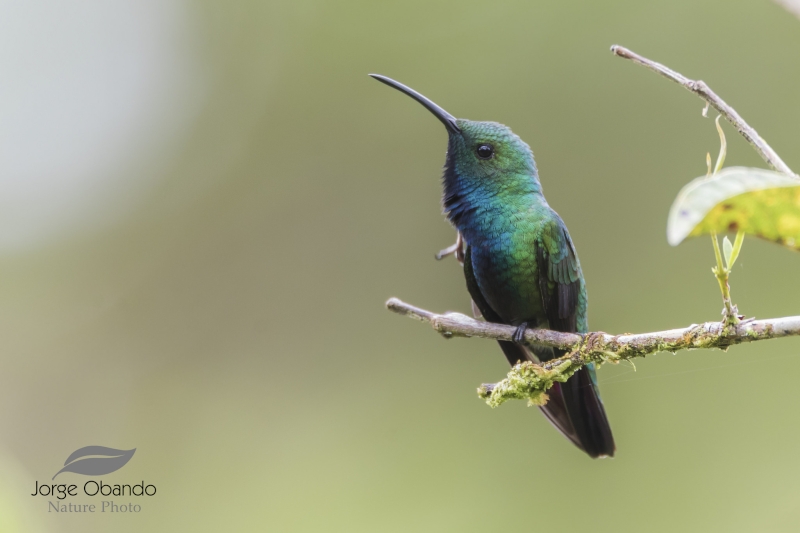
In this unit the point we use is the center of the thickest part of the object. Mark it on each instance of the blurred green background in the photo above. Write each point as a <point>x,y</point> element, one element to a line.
<point>204,206</point>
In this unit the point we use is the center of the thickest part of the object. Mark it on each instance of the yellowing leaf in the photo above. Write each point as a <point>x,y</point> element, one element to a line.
<point>759,202</point>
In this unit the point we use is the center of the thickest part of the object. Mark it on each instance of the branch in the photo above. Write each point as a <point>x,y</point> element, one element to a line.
<point>704,91</point>
<point>531,380</point>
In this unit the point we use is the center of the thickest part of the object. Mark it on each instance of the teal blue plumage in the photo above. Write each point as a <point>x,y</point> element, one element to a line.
<point>520,264</point>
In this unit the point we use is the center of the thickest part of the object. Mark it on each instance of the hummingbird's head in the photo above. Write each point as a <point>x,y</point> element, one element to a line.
<point>487,166</point>
<point>477,150</point>
<point>489,151</point>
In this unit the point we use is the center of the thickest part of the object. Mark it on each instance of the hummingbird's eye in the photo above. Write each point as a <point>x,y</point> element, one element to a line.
<point>485,151</point>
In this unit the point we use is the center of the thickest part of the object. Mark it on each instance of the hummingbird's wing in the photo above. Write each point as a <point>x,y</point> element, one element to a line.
<point>555,410</point>
<point>564,300</point>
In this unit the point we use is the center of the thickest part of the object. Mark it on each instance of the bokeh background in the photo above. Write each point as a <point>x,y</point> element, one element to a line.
<point>204,206</point>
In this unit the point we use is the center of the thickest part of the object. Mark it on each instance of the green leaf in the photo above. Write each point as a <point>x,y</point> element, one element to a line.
<point>737,247</point>
<point>756,201</point>
<point>727,249</point>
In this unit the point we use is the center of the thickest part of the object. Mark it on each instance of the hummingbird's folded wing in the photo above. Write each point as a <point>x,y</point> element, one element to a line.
<point>555,410</point>
<point>564,299</point>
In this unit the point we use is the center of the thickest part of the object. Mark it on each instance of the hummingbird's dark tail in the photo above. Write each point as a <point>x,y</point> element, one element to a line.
<point>586,412</point>
<point>574,407</point>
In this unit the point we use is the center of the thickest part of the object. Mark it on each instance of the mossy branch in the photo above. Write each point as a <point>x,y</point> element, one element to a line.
<point>532,380</point>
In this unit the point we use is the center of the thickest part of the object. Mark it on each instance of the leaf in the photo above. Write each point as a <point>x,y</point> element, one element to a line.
<point>756,201</point>
<point>737,248</point>
<point>84,461</point>
<point>727,249</point>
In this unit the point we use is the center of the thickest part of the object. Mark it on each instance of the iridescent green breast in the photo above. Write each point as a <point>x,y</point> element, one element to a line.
<point>506,271</point>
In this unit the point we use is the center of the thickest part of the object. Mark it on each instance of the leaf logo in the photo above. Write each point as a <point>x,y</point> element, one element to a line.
<point>96,460</point>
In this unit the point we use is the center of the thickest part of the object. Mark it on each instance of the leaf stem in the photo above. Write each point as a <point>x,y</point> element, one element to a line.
<point>730,313</point>
<point>723,146</point>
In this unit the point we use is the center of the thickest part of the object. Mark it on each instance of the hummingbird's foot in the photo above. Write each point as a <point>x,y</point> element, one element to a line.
<point>450,250</point>
<point>519,334</point>
<point>456,249</point>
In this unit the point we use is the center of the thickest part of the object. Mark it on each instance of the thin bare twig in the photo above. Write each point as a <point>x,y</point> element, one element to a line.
<point>704,91</point>
<point>531,381</point>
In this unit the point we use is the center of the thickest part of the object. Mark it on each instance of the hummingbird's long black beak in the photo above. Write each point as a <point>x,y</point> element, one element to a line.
<point>447,119</point>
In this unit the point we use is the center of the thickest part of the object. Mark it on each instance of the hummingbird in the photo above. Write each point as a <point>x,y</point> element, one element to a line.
<point>520,263</point>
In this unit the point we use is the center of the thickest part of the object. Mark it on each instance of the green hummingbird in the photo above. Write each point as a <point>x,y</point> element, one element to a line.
<point>520,264</point>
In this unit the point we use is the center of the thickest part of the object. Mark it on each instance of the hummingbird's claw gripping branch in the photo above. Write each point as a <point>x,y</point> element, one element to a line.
<point>710,97</point>
<point>519,334</point>
<point>532,380</point>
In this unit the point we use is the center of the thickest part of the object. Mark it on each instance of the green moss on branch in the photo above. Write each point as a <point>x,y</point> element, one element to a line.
<point>531,381</point>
